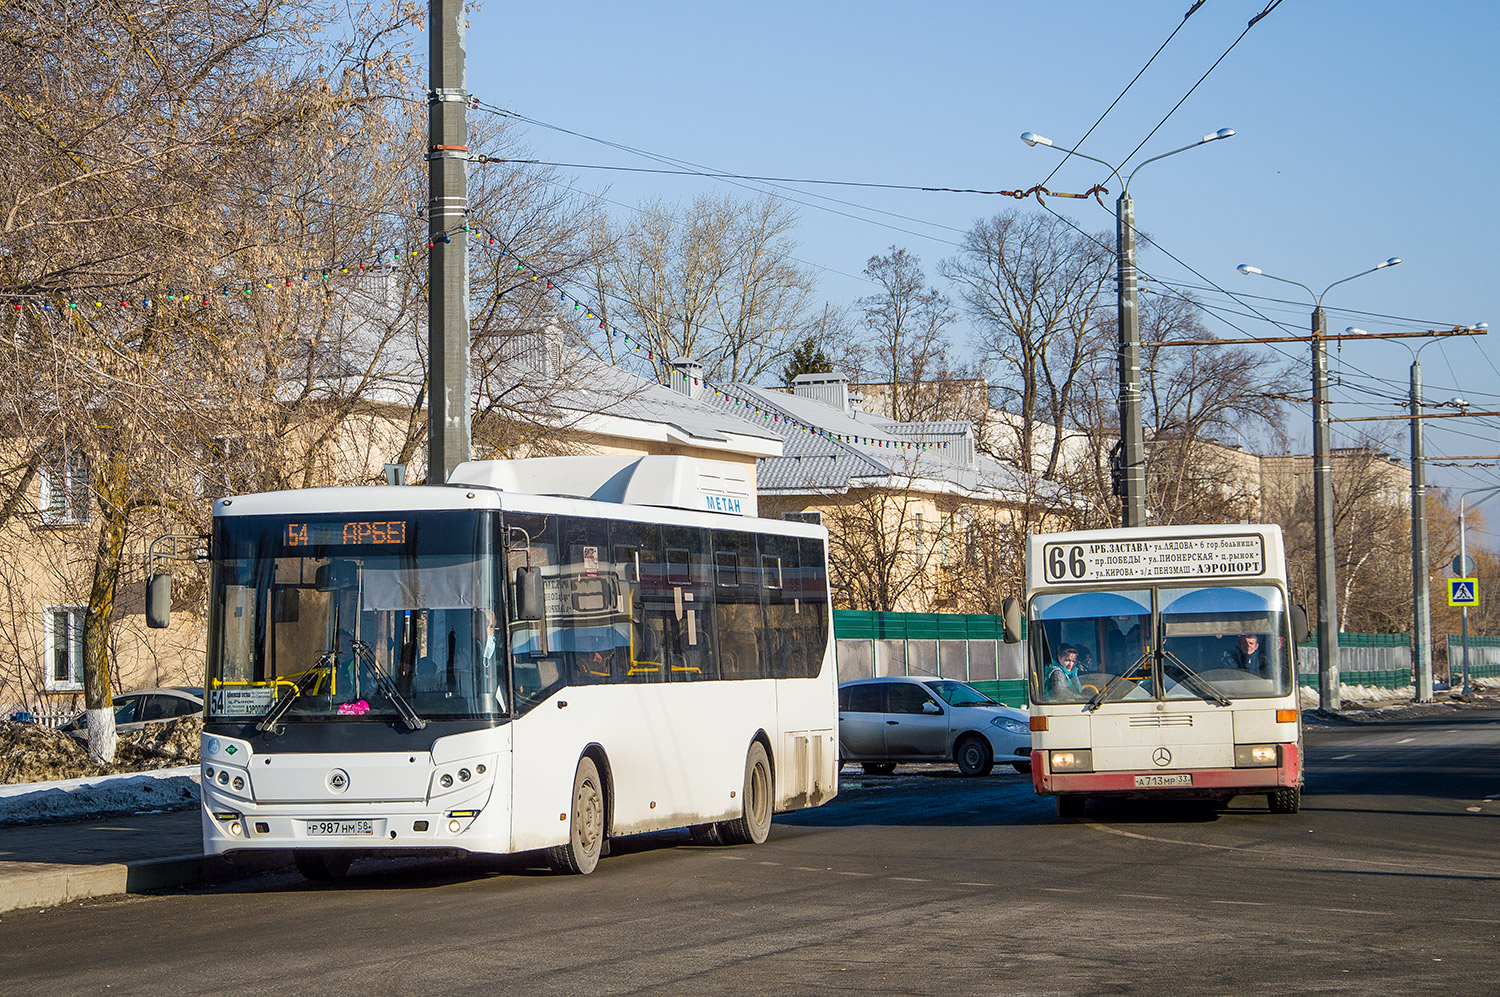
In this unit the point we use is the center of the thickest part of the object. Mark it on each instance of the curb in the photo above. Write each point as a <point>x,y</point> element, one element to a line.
<point>46,885</point>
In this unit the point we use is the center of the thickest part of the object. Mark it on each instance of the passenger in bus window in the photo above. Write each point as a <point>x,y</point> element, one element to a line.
<point>1062,675</point>
<point>1247,655</point>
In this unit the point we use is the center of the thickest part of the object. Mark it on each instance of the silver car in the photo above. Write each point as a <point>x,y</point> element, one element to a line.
<point>138,710</point>
<point>884,721</point>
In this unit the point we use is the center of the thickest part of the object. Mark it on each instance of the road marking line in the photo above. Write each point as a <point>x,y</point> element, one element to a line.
<point>1141,896</point>
<point>908,879</point>
<point>1059,889</point>
<point>1346,910</point>
<point>1406,740</point>
<point>1475,920</point>
<point>863,874</point>
<point>1166,841</point>
<point>977,884</point>
<point>1339,758</point>
<point>1475,810</point>
<point>768,863</point>
<point>1239,903</point>
<point>805,868</point>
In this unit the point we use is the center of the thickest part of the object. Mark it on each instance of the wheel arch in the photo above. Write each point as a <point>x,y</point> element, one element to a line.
<point>595,752</point>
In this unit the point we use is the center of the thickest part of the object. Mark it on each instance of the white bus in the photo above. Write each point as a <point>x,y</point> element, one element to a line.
<point>1161,665</point>
<point>497,665</point>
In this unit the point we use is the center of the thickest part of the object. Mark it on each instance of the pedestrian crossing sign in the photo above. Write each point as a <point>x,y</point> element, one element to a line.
<point>1463,591</point>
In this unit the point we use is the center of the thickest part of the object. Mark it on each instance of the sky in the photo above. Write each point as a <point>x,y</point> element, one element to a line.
<point>1364,131</point>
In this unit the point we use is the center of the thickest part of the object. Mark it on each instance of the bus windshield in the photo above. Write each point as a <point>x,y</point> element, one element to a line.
<point>1216,643</point>
<point>384,617</point>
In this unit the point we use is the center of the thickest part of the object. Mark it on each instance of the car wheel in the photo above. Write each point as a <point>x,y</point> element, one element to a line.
<point>879,768</point>
<point>1285,801</point>
<point>1070,806</point>
<point>586,829</point>
<point>322,864</point>
<point>974,755</point>
<point>757,802</point>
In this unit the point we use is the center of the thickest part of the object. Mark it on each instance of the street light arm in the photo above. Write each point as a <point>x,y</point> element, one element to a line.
<point>1221,133</point>
<point>1379,266</point>
<point>1033,140</point>
<point>1270,276</point>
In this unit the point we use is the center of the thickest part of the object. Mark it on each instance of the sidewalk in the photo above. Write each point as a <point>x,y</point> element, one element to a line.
<point>46,864</point>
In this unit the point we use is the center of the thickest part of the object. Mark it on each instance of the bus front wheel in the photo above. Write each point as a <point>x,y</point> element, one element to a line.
<point>1285,801</point>
<point>586,828</point>
<point>756,802</point>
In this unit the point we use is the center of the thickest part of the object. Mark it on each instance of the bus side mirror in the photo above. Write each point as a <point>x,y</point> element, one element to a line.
<point>1300,631</point>
<point>1010,620</point>
<point>528,594</point>
<point>159,601</point>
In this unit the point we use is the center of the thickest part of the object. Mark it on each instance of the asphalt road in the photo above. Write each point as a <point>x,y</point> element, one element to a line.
<point>917,883</point>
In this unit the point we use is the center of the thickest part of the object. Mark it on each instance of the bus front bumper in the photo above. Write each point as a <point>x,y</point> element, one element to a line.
<point>1169,782</point>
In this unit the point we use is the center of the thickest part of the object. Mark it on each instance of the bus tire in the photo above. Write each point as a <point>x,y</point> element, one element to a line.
<point>974,755</point>
<point>757,802</point>
<point>1285,801</point>
<point>585,827</point>
<point>321,864</point>
<point>1070,806</point>
<point>705,834</point>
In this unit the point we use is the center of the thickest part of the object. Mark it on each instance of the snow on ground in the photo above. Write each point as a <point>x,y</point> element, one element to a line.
<point>68,799</point>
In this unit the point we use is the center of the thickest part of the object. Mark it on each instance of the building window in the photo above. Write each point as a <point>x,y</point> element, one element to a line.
<point>62,649</point>
<point>65,491</point>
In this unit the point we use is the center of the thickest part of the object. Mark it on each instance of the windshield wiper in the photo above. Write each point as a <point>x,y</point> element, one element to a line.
<point>1103,694</point>
<point>278,709</point>
<point>387,686</point>
<point>1194,681</point>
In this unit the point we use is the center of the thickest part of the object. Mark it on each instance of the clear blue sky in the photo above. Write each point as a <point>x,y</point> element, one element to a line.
<point>1366,129</point>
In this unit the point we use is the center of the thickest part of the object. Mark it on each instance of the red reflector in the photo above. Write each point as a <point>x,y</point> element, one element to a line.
<point>1286,716</point>
<point>1038,723</point>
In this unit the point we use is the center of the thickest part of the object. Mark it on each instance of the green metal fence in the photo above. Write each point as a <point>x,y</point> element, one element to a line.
<point>1484,657</point>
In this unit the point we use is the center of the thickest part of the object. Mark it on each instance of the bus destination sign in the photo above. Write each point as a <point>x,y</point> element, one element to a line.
<point>351,532</point>
<point>1155,558</point>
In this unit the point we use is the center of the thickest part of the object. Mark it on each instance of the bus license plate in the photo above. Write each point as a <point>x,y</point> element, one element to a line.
<point>1153,781</point>
<point>340,827</point>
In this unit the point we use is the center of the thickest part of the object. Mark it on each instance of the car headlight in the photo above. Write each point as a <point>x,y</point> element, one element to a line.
<point>1010,725</point>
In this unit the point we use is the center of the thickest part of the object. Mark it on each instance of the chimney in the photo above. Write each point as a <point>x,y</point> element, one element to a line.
<point>829,389</point>
<point>687,376</point>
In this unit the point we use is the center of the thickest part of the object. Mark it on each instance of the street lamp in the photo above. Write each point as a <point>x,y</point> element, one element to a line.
<point>1421,598</point>
<point>1328,626</point>
<point>1463,562</point>
<point>1132,436</point>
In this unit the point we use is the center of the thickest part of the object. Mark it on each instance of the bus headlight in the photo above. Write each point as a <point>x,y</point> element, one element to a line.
<point>1248,756</point>
<point>1081,760</point>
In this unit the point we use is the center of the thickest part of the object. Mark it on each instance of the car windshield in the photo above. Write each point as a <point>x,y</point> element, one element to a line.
<point>383,618</point>
<point>959,694</point>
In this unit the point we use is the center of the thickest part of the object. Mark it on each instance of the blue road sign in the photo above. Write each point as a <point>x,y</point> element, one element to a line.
<point>1463,591</point>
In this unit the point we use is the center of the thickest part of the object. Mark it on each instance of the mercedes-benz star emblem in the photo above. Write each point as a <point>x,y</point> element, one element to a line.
<point>338,780</point>
<point>1162,756</point>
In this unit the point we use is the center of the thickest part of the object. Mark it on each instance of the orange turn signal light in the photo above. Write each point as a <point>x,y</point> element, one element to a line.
<point>1038,723</point>
<point>1286,716</point>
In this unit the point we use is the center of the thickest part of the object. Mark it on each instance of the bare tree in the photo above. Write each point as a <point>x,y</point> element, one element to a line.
<point>1036,290</point>
<point>715,281</point>
<point>906,342</point>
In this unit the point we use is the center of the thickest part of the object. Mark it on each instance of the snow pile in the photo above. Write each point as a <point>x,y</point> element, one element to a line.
<point>32,753</point>
<point>146,792</point>
<point>1359,695</point>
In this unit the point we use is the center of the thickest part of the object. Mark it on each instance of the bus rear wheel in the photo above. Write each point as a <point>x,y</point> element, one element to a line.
<point>1285,801</point>
<point>322,864</point>
<point>585,828</point>
<point>756,802</point>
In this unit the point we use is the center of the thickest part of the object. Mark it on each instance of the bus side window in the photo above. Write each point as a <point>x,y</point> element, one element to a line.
<point>688,617</point>
<point>810,605</point>
<point>737,610</point>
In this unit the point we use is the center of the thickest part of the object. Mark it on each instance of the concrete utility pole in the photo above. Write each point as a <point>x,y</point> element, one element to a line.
<point>1132,431</point>
<point>1328,618</point>
<point>448,437</point>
